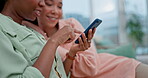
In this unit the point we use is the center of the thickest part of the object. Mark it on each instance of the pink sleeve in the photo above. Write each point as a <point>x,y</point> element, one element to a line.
<point>85,63</point>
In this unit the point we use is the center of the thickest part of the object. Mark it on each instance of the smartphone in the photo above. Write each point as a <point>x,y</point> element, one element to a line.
<point>93,25</point>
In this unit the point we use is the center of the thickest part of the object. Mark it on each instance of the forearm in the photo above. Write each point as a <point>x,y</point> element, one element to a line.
<point>45,60</point>
<point>67,65</point>
<point>68,62</point>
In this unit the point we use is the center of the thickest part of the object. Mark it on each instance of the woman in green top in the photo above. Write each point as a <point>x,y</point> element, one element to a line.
<point>106,66</point>
<point>23,54</point>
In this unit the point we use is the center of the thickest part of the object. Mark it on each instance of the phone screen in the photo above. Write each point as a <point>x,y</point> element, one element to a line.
<point>94,24</point>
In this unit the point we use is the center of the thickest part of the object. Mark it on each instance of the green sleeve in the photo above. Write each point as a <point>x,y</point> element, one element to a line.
<point>12,62</point>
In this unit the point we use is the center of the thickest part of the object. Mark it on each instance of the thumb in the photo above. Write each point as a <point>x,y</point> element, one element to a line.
<point>77,31</point>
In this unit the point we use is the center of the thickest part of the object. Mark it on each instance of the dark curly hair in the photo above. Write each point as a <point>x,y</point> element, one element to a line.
<point>2,3</point>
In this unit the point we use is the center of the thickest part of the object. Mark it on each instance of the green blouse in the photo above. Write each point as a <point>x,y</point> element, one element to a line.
<point>19,49</point>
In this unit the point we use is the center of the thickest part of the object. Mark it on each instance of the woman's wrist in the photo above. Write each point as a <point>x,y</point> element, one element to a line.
<point>68,56</point>
<point>54,41</point>
<point>72,53</point>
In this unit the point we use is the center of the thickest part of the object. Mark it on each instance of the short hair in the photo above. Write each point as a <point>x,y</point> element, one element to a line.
<point>2,4</point>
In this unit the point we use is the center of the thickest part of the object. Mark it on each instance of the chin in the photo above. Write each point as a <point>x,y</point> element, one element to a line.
<point>51,25</point>
<point>31,19</point>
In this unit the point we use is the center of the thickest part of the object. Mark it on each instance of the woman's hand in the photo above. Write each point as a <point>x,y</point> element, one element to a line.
<point>66,34</point>
<point>84,43</point>
<point>75,31</point>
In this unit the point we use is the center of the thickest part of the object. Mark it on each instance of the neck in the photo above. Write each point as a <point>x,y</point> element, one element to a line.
<point>9,11</point>
<point>50,31</point>
<point>15,18</point>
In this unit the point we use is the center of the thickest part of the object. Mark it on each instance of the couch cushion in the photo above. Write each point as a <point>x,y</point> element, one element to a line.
<point>124,50</point>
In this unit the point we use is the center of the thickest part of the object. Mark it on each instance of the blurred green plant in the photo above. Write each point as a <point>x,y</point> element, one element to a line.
<point>134,28</point>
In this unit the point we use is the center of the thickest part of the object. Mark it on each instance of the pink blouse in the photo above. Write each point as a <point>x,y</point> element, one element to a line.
<point>90,64</point>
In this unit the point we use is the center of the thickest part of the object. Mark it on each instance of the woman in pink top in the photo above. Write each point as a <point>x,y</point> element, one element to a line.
<point>88,63</point>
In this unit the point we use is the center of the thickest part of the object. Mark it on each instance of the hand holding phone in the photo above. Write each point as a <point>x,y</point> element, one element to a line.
<point>93,25</point>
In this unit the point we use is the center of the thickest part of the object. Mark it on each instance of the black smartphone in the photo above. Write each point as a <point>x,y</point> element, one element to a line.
<point>93,25</point>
